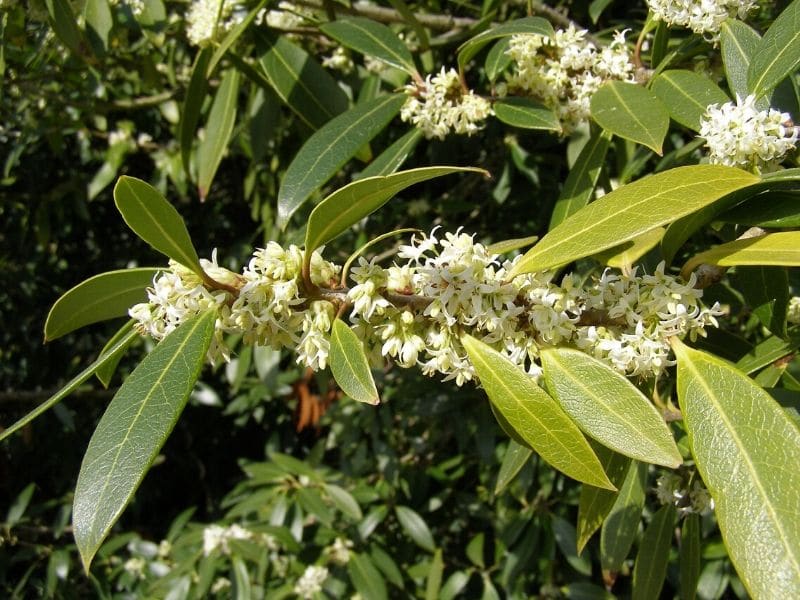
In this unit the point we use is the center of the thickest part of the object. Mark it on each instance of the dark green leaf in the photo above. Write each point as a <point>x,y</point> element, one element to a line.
<point>766,293</point>
<point>99,22</point>
<point>526,113</point>
<point>564,534</point>
<point>218,131</point>
<point>233,35</point>
<point>686,95</point>
<point>17,509</point>
<point>312,502</point>
<point>777,54</point>
<point>689,556</point>
<point>106,372</point>
<point>620,527</point>
<point>632,112</point>
<point>365,577</point>
<point>513,460</point>
<point>192,105</point>
<point>372,39</point>
<point>651,561</point>
<point>416,528</point>
<point>388,161</point>
<point>350,366</point>
<point>771,210</point>
<point>498,59</point>
<point>65,25</point>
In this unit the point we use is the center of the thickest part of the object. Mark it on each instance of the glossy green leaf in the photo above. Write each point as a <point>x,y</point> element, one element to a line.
<point>527,25</point>
<point>343,501</point>
<point>498,59</point>
<point>65,26</point>
<point>99,298</point>
<point>372,39</point>
<point>768,351</point>
<point>686,95</point>
<point>650,568</point>
<point>348,205</point>
<point>374,518</point>
<point>779,249</point>
<point>131,432</point>
<point>433,582</point>
<point>620,527</point>
<point>514,459</point>
<point>766,293</point>
<point>454,585</point>
<point>738,43</point>
<point>300,81</point>
<point>156,221</point>
<point>582,177</point>
<point>99,22</point>
<point>416,528</point>
<point>595,503</point>
<point>526,113</point>
<point>232,36</point>
<point>387,565</point>
<point>536,417</point>
<point>219,128</point>
<point>631,112</point>
<point>106,357</point>
<point>747,450</point>
<point>608,407</point>
<point>632,210</point>
<point>365,577</point>
<point>313,504</point>
<point>388,161</point>
<point>106,372</point>
<point>240,588</point>
<point>350,366</point>
<point>689,556</point>
<point>778,53</point>
<point>192,105</point>
<point>325,152</point>
<point>17,509</point>
<point>629,253</point>
<point>772,209</point>
<point>506,246</point>
<point>565,538</point>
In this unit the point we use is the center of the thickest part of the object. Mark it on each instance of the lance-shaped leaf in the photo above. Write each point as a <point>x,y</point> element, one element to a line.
<point>766,293</point>
<point>106,372</point>
<point>135,425</point>
<point>686,95</point>
<point>325,152</point>
<point>622,524</point>
<point>230,38</point>
<point>514,459</point>
<point>582,178</point>
<point>371,39</point>
<point>506,246</point>
<point>156,221</point>
<point>632,210</point>
<point>527,25</point>
<point>526,114</point>
<point>779,249</point>
<point>689,556</point>
<point>778,52</point>
<point>625,255</point>
<point>65,25</point>
<point>416,527</point>
<point>608,407</point>
<point>300,81</point>
<point>99,298</point>
<point>498,59</point>
<point>350,204</point>
<point>747,450</point>
<point>651,561</point>
<point>350,366</point>
<point>365,577</point>
<point>771,210</point>
<point>388,161</point>
<point>595,503</point>
<point>99,22</point>
<point>218,131</point>
<point>536,417</point>
<point>192,105</point>
<point>632,112</point>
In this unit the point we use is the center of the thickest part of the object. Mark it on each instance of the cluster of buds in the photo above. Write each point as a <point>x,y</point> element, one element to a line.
<point>564,71</point>
<point>701,16</point>
<point>414,313</point>
<point>672,489</point>
<point>207,20</point>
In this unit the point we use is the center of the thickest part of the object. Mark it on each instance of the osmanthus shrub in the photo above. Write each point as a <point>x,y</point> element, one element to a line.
<point>602,348</point>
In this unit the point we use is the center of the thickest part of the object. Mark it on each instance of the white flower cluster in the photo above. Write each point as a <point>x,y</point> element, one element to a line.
<point>136,6</point>
<point>701,16</point>
<point>414,313</point>
<point>740,135</point>
<point>340,60</point>
<point>287,16</point>
<point>310,582</point>
<point>793,311</point>
<point>441,105</point>
<point>565,71</point>
<point>670,489</point>
<point>208,19</point>
<point>217,538</point>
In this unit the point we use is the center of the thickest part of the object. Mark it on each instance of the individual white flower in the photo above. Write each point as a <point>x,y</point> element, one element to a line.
<point>287,16</point>
<point>668,488</point>
<point>793,311</point>
<point>314,347</point>
<point>441,105</point>
<point>701,16</point>
<point>310,582</point>
<point>740,135</point>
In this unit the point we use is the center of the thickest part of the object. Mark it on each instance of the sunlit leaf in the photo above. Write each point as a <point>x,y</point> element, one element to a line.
<point>388,161</point>
<point>416,528</point>
<point>365,577</point>
<point>686,95</point>
<point>778,52</point>
<point>632,112</point>
<point>514,459</point>
<point>526,113</point>
<point>350,366</point>
<point>779,249</point>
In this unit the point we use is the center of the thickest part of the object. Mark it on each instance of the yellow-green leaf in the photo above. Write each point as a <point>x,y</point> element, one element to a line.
<point>536,417</point>
<point>135,425</point>
<point>106,372</point>
<point>388,161</point>
<point>526,113</point>
<point>514,459</point>
<point>747,450</point>
<point>686,95</point>
<point>632,210</point>
<point>632,112</point>
<point>350,366</point>
<point>506,246</point>
<point>779,249</point>
<point>624,256</point>
<point>99,298</point>
<point>608,407</point>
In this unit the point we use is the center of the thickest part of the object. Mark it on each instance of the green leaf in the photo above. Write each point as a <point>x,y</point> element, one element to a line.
<point>105,358</point>
<point>689,556</point>
<point>348,205</point>
<point>625,255</point>
<point>498,59</point>
<point>526,113</point>
<point>192,105</point>
<point>135,425</point>
<point>631,112</point>
<point>300,81</point>
<point>415,526</point>
<point>686,95</point>
<point>766,294</point>
<point>365,577</point>
<point>527,25</point>
<point>106,372</point>
<point>372,39</point>
<point>655,201</point>
<point>395,155</point>
<point>230,38</point>
<point>433,584</point>
<point>738,43</point>
<point>514,459</point>
<point>325,152</point>
<point>768,351</point>
<point>773,210</point>
<point>343,501</point>
<point>241,589</point>
<point>156,221</point>
<point>535,416</point>
<point>777,249</point>
<point>387,566</point>
<point>99,22</point>
<point>311,501</point>
<point>777,54</point>
<point>506,246</point>
<point>65,26</point>
<point>582,177</point>
<point>17,509</point>
<point>595,503</point>
<point>219,128</point>
<point>564,534</point>
<point>350,366</point>
<point>620,527</point>
<point>608,407</point>
<point>99,298</point>
<point>650,568</point>
<point>747,450</point>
